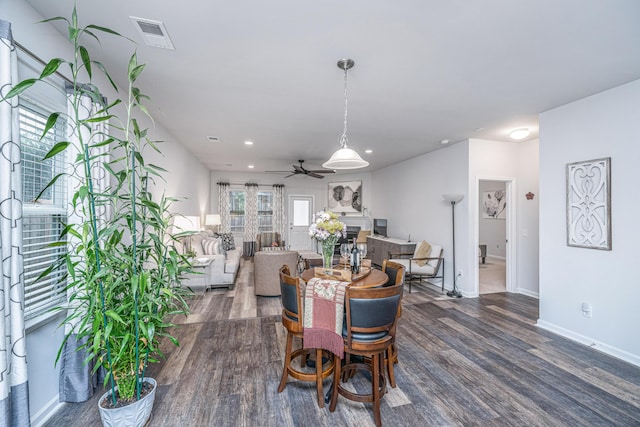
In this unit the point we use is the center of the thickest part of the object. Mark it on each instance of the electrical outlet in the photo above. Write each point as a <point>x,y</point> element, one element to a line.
<point>587,310</point>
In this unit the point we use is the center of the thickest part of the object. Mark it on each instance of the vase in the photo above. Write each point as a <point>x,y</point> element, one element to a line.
<point>328,248</point>
<point>134,415</point>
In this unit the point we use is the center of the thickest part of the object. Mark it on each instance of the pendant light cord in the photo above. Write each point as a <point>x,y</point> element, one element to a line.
<point>343,138</point>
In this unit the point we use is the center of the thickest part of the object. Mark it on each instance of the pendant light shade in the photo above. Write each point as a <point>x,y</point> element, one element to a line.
<point>345,157</point>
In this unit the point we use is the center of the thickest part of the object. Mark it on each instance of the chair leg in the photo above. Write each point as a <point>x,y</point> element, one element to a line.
<point>375,384</point>
<point>319,377</point>
<point>390,359</point>
<point>336,384</point>
<point>287,362</point>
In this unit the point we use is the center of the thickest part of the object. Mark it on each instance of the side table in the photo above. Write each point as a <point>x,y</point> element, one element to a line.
<point>200,279</point>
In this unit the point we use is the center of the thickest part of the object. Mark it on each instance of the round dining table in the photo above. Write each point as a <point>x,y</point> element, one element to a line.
<point>373,279</point>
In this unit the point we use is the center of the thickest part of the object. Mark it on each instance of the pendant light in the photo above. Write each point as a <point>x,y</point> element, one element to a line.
<point>345,157</point>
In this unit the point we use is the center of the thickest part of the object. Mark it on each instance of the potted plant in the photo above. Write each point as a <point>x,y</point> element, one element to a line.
<point>123,273</point>
<point>327,229</point>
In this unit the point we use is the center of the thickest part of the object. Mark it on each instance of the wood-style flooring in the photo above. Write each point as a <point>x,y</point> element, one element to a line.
<point>463,362</point>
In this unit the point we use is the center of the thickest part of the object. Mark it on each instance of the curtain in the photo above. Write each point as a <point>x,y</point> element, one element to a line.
<point>223,207</point>
<point>76,382</point>
<point>279,219</point>
<point>250,219</point>
<point>14,388</point>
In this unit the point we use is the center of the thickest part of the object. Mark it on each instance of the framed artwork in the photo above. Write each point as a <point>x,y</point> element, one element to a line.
<point>345,197</point>
<point>494,204</point>
<point>589,204</point>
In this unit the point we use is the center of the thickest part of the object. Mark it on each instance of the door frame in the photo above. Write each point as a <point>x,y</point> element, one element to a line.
<point>510,231</point>
<point>290,198</point>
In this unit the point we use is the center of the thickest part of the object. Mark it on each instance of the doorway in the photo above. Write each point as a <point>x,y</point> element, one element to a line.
<point>495,219</point>
<point>300,217</point>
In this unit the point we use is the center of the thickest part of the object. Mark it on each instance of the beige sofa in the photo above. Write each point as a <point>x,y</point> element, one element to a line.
<point>224,268</point>
<point>266,279</point>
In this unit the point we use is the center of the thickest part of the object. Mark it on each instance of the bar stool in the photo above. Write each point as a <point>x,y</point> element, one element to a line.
<point>395,271</point>
<point>371,315</point>
<point>292,320</point>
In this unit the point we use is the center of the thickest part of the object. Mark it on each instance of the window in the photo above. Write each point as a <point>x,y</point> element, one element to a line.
<point>42,219</point>
<point>236,210</point>
<point>265,211</point>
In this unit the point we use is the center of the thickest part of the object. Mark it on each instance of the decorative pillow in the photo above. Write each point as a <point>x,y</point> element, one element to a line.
<point>212,247</point>
<point>422,251</point>
<point>228,243</point>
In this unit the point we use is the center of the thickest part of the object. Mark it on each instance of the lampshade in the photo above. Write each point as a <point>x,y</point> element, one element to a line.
<point>345,158</point>
<point>453,197</point>
<point>212,219</point>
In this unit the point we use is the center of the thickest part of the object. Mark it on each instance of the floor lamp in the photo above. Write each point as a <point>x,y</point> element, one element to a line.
<point>453,199</point>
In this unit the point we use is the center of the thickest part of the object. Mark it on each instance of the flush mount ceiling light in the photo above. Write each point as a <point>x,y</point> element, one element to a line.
<point>248,143</point>
<point>345,157</point>
<point>519,133</point>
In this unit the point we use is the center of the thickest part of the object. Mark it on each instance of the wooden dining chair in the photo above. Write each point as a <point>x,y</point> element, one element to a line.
<point>292,320</point>
<point>395,272</point>
<point>371,315</point>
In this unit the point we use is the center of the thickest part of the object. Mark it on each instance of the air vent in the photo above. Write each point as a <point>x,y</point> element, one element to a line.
<point>152,32</point>
<point>213,138</point>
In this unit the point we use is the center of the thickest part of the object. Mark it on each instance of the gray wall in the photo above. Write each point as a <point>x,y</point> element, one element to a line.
<point>492,231</point>
<point>598,126</point>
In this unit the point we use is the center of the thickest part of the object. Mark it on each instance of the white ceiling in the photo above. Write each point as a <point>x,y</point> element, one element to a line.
<point>426,70</point>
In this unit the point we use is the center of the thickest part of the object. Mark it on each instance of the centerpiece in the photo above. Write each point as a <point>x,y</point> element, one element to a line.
<point>327,229</point>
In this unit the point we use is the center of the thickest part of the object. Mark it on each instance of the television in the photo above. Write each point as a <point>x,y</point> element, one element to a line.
<point>380,227</point>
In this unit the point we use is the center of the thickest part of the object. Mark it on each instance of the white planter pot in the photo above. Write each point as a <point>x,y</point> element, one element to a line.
<point>134,415</point>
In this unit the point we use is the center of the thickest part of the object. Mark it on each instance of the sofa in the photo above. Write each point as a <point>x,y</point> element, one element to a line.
<point>224,268</point>
<point>266,266</point>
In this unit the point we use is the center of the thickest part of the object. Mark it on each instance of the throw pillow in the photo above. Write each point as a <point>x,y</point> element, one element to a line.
<point>228,243</point>
<point>422,251</point>
<point>212,247</point>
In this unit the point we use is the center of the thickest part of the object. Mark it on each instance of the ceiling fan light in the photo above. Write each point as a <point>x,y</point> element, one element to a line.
<point>345,158</point>
<point>520,133</point>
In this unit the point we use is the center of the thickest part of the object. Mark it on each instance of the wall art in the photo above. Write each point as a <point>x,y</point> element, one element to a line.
<point>494,204</point>
<point>589,204</point>
<point>345,197</point>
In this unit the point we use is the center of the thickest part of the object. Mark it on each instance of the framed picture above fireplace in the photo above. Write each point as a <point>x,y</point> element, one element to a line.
<point>345,197</point>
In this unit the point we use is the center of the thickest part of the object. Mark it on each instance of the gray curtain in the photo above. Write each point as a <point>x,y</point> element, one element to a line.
<point>250,219</point>
<point>223,206</point>
<point>14,386</point>
<point>279,219</point>
<point>76,383</point>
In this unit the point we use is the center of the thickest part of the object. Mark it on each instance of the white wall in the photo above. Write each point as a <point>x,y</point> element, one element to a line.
<point>409,195</point>
<point>492,231</point>
<point>187,178</point>
<point>602,125</point>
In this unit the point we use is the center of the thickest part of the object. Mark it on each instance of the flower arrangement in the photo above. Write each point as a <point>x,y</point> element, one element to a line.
<point>327,229</point>
<point>326,225</point>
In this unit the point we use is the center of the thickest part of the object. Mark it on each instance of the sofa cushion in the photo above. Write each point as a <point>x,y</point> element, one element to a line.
<point>228,242</point>
<point>422,251</point>
<point>232,261</point>
<point>212,246</point>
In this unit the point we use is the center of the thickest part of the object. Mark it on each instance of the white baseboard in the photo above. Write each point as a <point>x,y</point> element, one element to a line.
<point>528,293</point>
<point>496,257</point>
<point>47,411</point>
<point>605,348</point>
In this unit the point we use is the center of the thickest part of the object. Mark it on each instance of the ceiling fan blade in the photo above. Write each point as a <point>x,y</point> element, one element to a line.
<point>277,171</point>
<point>322,171</point>
<point>290,175</point>
<point>315,175</point>
<point>298,169</point>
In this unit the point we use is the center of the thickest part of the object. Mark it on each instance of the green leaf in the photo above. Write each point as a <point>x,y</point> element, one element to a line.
<point>57,18</point>
<point>115,316</point>
<point>135,73</point>
<point>19,88</point>
<point>98,119</point>
<point>59,147</point>
<point>86,60</point>
<point>51,67</point>
<point>53,181</point>
<point>104,70</point>
<point>106,30</point>
<point>51,122</point>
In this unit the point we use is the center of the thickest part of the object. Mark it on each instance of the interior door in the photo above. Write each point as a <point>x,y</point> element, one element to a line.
<point>300,217</point>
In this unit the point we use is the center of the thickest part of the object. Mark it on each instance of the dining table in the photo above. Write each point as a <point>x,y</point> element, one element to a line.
<point>374,279</point>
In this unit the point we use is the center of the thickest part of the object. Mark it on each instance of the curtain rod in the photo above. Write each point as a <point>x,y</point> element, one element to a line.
<point>40,60</point>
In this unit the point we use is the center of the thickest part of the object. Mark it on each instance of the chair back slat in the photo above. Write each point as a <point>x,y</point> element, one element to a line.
<point>291,297</point>
<point>395,272</point>
<point>372,310</point>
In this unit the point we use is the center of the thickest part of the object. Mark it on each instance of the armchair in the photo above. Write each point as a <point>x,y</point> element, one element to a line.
<point>267,239</point>
<point>432,264</point>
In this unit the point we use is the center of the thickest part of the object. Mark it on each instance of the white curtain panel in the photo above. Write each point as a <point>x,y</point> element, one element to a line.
<point>250,219</point>
<point>14,390</point>
<point>279,218</point>
<point>77,384</point>
<point>223,206</point>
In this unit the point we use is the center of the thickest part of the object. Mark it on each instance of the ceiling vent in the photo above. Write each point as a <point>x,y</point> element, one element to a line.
<point>213,138</point>
<point>153,32</point>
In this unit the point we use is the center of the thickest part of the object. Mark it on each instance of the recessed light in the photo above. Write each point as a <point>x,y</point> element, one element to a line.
<point>213,138</point>
<point>229,164</point>
<point>519,133</point>
<point>248,143</point>
<point>368,151</point>
<point>444,141</point>
<point>251,166</point>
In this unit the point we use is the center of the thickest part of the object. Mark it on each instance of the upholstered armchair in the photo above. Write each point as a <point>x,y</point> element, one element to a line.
<point>268,239</point>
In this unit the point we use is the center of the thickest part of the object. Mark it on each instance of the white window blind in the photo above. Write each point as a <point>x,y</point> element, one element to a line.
<point>265,211</point>
<point>42,219</point>
<point>236,210</point>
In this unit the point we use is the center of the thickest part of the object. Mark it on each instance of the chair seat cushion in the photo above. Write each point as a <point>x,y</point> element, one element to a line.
<point>357,336</point>
<point>426,269</point>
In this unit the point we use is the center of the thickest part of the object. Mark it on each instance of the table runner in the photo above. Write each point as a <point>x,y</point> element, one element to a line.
<point>324,314</point>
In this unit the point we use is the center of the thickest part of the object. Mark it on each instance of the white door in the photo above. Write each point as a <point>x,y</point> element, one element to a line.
<point>300,217</point>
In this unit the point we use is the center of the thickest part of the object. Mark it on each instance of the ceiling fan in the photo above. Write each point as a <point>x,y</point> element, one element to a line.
<point>300,170</point>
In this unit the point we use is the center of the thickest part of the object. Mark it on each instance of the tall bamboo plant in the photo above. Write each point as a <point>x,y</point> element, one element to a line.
<point>122,269</point>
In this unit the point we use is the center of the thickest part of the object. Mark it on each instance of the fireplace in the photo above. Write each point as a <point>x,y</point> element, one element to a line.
<point>352,233</point>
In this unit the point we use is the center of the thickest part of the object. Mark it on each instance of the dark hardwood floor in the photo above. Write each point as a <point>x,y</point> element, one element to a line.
<point>463,362</point>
